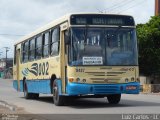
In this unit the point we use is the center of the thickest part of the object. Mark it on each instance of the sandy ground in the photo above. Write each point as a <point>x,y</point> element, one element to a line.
<point>17,114</point>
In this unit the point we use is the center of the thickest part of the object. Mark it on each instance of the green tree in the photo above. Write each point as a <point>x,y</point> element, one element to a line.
<point>149,46</point>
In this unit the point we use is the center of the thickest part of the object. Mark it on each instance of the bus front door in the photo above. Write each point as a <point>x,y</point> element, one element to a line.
<point>63,57</point>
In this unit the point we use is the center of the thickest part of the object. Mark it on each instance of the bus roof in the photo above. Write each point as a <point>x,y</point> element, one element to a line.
<point>56,22</point>
<point>43,28</point>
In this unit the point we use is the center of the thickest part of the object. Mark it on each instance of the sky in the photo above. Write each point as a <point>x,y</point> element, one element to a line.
<point>21,17</point>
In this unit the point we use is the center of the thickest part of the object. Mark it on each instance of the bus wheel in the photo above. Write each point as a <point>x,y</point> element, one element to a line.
<point>35,95</point>
<point>114,99</point>
<point>26,94</point>
<point>58,100</point>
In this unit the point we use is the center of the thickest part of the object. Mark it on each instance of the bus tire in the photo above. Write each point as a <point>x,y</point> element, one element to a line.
<point>35,95</point>
<point>26,94</point>
<point>57,99</point>
<point>114,98</point>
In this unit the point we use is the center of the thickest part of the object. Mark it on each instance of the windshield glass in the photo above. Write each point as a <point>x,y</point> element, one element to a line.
<point>103,46</point>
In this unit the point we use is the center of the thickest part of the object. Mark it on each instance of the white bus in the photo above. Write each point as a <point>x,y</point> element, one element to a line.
<point>91,55</point>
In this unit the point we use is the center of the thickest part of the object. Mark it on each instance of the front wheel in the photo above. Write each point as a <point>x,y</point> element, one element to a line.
<point>58,99</point>
<point>114,99</point>
<point>35,95</point>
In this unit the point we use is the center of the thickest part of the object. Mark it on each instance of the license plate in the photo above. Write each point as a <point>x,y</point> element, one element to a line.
<point>131,87</point>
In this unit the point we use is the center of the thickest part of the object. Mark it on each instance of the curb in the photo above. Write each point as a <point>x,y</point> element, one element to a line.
<point>150,93</point>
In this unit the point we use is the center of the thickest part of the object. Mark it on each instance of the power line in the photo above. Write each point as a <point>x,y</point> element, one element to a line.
<point>119,5</point>
<point>113,5</point>
<point>124,5</point>
<point>4,34</point>
<point>100,11</point>
<point>3,50</point>
<point>135,5</point>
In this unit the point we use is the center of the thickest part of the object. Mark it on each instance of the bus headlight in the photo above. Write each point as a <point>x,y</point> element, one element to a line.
<point>84,80</point>
<point>78,79</point>
<point>138,80</point>
<point>71,79</point>
<point>126,80</point>
<point>132,79</point>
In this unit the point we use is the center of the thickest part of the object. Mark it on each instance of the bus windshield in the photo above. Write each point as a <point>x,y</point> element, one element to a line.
<point>103,46</point>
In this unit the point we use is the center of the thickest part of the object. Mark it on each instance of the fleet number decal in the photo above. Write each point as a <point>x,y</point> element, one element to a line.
<point>37,69</point>
<point>80,69</point>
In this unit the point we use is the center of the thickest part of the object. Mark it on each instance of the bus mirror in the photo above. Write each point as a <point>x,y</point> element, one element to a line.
<point>66,37</point>
<point>67,40</point>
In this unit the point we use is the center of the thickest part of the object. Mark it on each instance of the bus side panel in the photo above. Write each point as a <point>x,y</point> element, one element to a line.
<point>15,82</point>
<point>15,85</point>
<point>38,86</point>
<point>34,86</point>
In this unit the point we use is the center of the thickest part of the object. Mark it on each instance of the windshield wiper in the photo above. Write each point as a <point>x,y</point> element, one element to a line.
<point>85,34</point>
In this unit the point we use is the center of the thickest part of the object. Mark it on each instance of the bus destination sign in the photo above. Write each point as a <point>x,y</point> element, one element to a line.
<point>109,21</point>
<point>102,20</point>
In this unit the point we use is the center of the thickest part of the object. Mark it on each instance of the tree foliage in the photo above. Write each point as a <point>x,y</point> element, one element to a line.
<point>149,46</point>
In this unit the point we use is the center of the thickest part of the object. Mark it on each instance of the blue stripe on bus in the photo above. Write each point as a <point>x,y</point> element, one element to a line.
<point>38,86</point>
<point>43,86</point>
<point>34,86</point>
<point>59,83</point>
<point>84,89</point>
<point>15,85</point>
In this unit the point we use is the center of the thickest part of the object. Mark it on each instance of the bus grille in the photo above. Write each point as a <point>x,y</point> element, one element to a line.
<point>106,89</point>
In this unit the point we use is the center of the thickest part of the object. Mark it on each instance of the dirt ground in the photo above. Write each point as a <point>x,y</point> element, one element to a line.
<point>17,114</point>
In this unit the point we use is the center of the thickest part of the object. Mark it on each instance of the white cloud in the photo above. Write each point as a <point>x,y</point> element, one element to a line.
<point>6,42</point>
<point>24,16</point>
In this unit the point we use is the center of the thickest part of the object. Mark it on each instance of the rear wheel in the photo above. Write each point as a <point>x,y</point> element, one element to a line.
<point>58,99</point>
<point>114,99</point>
<point>26,94</point>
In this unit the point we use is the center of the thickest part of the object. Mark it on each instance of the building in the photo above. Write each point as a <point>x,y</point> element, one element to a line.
<point>157,7</point>
<point>3,63</point>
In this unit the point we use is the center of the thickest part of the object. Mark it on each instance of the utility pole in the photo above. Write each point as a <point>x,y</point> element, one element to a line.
<point>157,7</point>
<point>7,49</point>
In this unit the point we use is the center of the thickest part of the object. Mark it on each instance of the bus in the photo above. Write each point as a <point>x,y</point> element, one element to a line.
<point>79,55</point>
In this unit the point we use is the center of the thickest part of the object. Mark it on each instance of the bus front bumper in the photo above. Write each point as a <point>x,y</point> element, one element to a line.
<point>102,89</point>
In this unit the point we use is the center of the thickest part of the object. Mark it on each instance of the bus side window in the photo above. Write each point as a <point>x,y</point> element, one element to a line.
<point>46,44</point>
<point>55,42</point>
<point>25,51</point>
<point>38,47</point>
<point>32,49</point>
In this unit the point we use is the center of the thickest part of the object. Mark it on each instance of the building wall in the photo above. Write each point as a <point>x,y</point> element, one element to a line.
<point>2,64</point>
